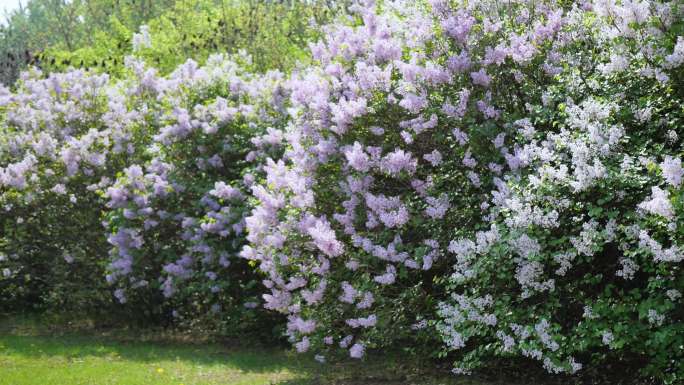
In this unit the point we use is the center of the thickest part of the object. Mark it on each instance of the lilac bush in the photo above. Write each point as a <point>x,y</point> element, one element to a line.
<point>402,124</point>
<point>63,137</point>
<point>578,263</point>
<point>156,161</point>
<point>177,221</point>
<point>488,171</point>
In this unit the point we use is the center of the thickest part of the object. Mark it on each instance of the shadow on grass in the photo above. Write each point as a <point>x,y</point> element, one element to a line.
<point>75,347</point>
<point>36,342</point>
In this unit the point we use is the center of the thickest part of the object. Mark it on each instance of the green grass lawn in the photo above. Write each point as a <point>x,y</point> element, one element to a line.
<point>29,356</point>
<point>72,359</point>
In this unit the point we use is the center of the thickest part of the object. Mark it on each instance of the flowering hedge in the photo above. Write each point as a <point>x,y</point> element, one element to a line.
<point>500,152</point>
<point>61,137</point>
<point>578,260</point>
<point>76,147</point>
<point>177,221</point>
<point>473,180</point>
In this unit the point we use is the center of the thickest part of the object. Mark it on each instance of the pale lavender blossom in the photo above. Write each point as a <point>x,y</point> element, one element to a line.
<point>655,318</point>
<point>303,345</point>
<point>357,350</point>
<point>59,189</point>
<point>357,158</point>
<point>398,161</point>
<point>325,239</point>
<point>435,158</point>
<point>481,78</point>
<point>142,39</point>
<point>607,337</point>
<point>673,294</point>
<point>672,170</point>
<point>659,203</point>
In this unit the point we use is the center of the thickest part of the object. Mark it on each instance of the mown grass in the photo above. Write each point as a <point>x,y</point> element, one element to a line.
<point>89,360</point>
<point>34,354</point>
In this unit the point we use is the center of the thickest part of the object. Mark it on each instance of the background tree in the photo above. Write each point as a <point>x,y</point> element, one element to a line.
<point>56,35</point>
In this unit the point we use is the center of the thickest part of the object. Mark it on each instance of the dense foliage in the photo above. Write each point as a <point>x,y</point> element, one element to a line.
<point>40,32</point>
<point>177,220</point>
<point>474,181</point>
<point>57,35</point>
